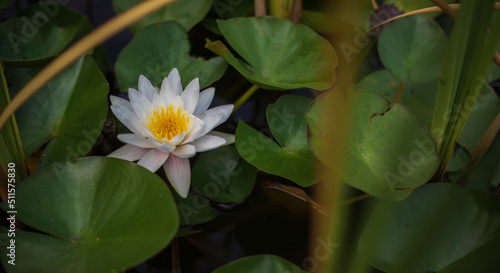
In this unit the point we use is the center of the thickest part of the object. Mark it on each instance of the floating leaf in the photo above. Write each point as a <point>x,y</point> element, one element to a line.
<point>159,48</point>
<point>222,175</point>
<point>290,157</point>
<point>309,60</point>
<point>412,48</point>
<point>98,215</point>
<point>419,98</point>
<point>68,111</point>
<point>387,151</point>
<point>259,263</point>
<point>193,209</point>
<point>437,225</point>
<point>44,30</point>
<point>186,13</point>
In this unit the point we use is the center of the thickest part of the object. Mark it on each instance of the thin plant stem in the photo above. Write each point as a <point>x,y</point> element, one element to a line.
<point>245,97</point>
<point>400,91</point>
<point>87,43</point>
<point>355,199</point>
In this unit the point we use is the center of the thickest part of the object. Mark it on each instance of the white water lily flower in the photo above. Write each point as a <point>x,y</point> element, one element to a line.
<point>169,126</point>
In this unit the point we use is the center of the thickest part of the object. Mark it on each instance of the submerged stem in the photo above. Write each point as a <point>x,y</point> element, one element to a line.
<point>245,97</point>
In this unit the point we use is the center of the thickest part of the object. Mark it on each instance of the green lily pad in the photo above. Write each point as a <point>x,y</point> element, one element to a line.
<point>186,13</point>
<point>419,98</point>
<point>279,54</point>
<point>193,209</point>
<point>386,152</point>
<point>290,157</point>
<point>222,176</point>
<point>159,48</point>
<point>261,264</point>
<point>412,48</point>
<point>68,111</point>
<point>437,225</point>
<point>44,30</point>
<point>98,215</point>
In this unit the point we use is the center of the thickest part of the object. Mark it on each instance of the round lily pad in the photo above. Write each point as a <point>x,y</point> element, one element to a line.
<point>279,54</point>
<point>384,151</point>
<point>97,215</point>
<point>412,48</point>
<point>290,157</point>
<point>68,112</point>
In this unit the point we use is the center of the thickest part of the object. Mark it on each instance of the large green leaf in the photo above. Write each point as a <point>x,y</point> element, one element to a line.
<point>261,264</point>
<point>412,48</point>
<point>279,54</point>
<point>98,215</point>
<point>68,111</point>
<point>386,153</point>
<point>185,12</point>
<point>193,209</point>
<point>437,225</point>
<point>44,30</point>
<point>159,48</point>
<point>222,176</point>
<point>290,157</point>
<point>419,98</point>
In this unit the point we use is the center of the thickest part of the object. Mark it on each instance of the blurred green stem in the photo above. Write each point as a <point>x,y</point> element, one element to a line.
<point>245,97</point>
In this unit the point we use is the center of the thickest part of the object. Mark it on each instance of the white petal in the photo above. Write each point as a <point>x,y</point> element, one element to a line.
<point>175,81</point>
<point>196,129</point>
<point>164,147</point>
<point>178,173</point>
<point>175,140</point>
<point>146,88</point>
<point>215,116</point>
<point>228,137</point>
<point>167,92</point>
<point>190,95</point>
<point>136,140</point>
<point>204,100</point>
<point>185,151</point>
<point>129,152</point>
<point>208,142</point>
<point>141,105</point>
<point>122,113</point>
<point>153,159</point>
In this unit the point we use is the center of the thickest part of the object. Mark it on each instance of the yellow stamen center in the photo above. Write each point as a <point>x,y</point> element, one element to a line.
<point>167,124</point>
